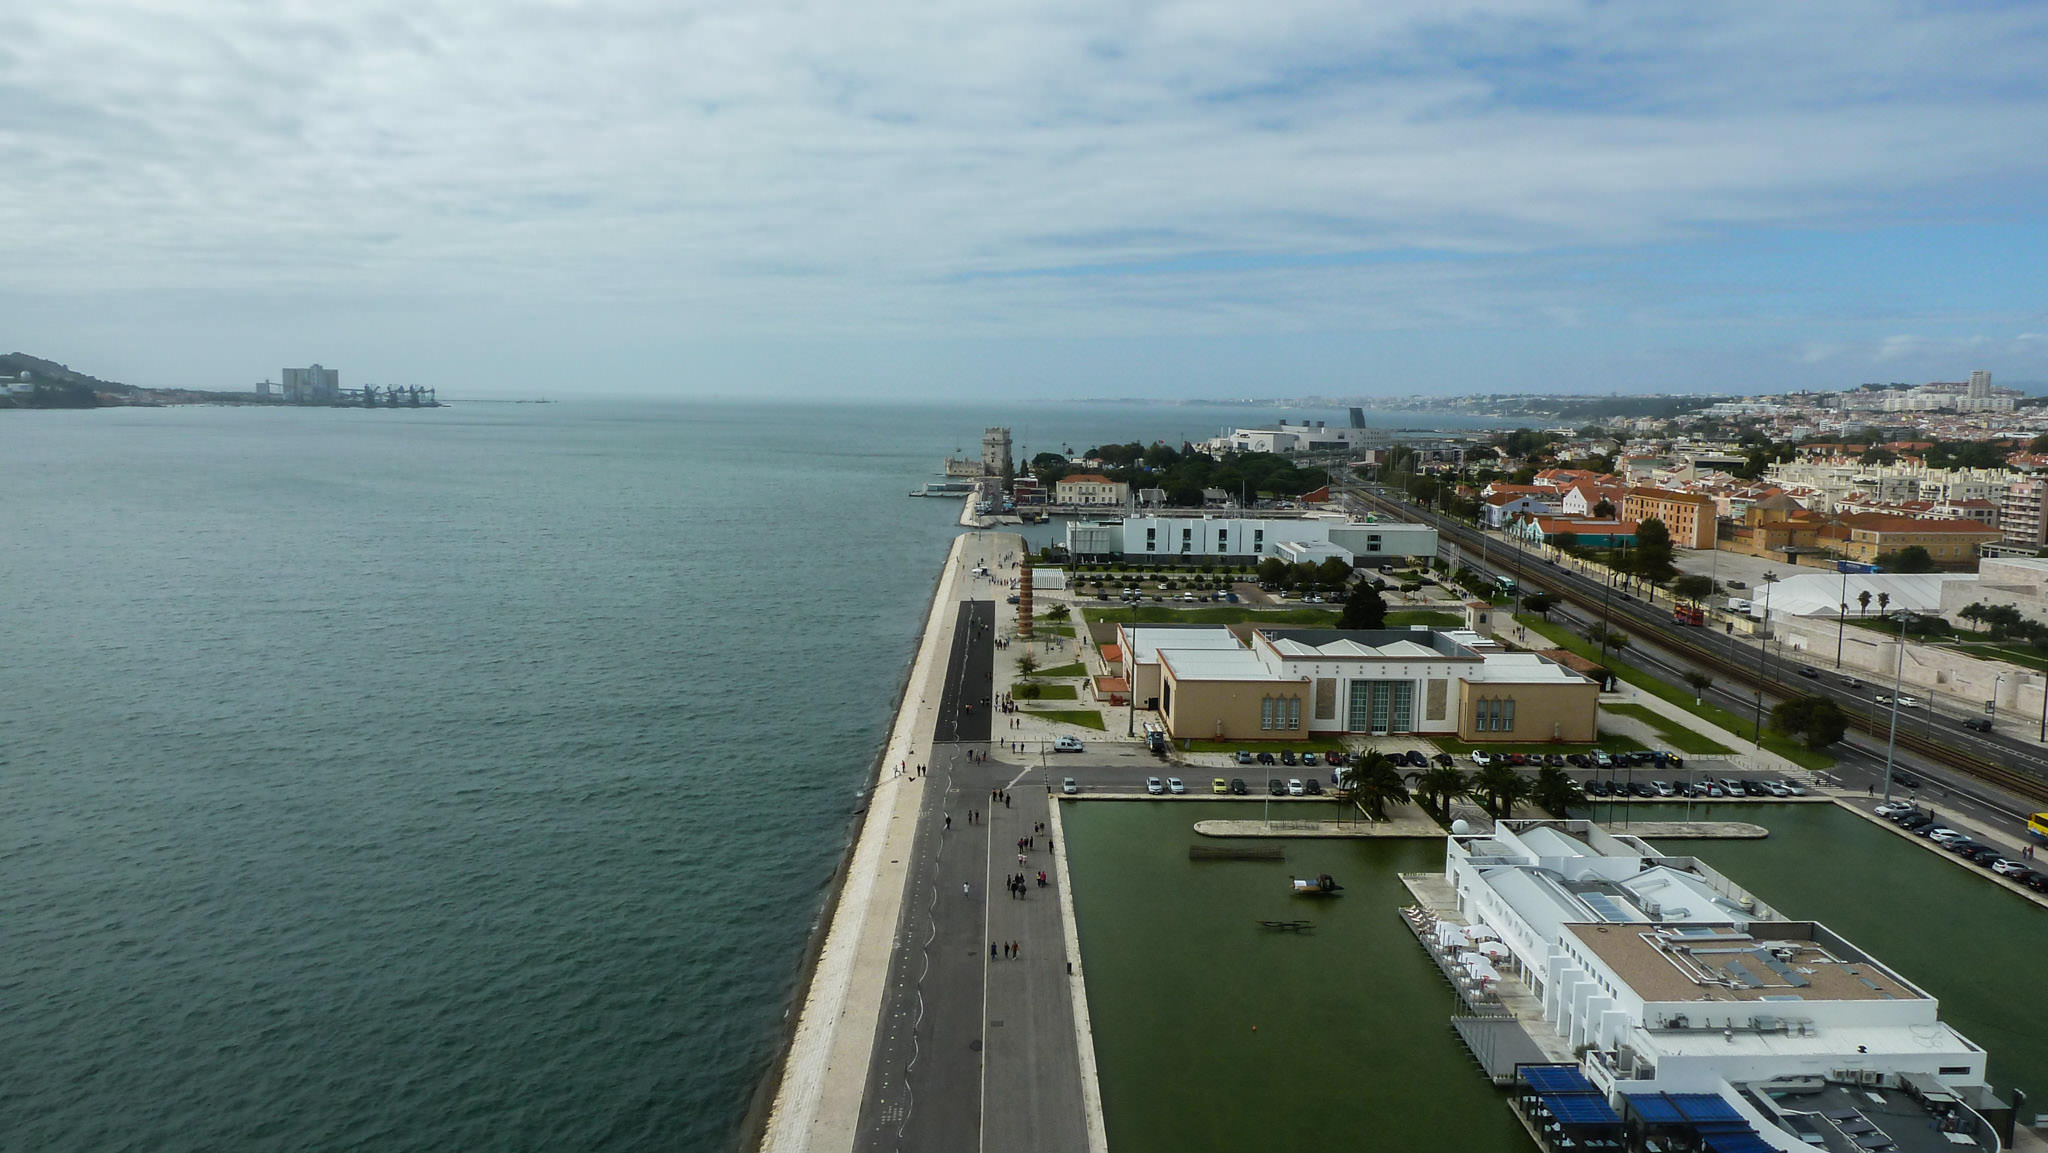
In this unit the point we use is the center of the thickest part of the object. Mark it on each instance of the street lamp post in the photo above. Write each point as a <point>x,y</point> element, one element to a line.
<point>1898,681</point>
<point>1992,712</point>
<point>1842,621</point>
<point>1763,656</point>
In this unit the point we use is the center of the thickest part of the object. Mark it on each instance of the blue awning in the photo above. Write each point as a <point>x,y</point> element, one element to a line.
<point>1653,1108</point>
<point>1555,1079</point>
<point>1704,1107</point>
<point>1580,1109</point>
<point>1744,1142</point>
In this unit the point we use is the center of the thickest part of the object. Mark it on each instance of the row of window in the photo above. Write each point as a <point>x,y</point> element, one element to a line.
<point>1280,713</point>
<point>1493,715</point>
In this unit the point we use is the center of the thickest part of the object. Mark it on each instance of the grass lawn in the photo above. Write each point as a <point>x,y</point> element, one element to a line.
<point>1314,745</point>
<point>1778,743</point>
<point>1077,669</point>
<point>1041,628</point>
<point>2022,655</point>
<point>1402,618</point>
<point>1086,718</point>
<point>1215,615</point>
<point>1612,742</point>
<point>1030,691</point>
<point>1676,735</point>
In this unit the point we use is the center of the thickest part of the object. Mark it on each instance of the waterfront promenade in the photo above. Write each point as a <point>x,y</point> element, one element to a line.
<point>921,1029</point>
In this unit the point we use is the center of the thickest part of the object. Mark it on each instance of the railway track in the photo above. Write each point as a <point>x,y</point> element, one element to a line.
<point>2017,781</point>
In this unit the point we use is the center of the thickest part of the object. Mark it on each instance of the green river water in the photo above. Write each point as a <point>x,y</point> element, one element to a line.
<point>1352,1040</point>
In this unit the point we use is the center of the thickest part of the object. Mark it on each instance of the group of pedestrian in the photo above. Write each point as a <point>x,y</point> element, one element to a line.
<point>1018,886</point>
<point>1026,844</point>
<point>1011,949</point>
<point>973,817</point>
<point>905,767</point>
<point>1000,795</point>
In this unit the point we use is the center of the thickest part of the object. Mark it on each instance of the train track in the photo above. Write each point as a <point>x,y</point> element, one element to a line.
<point>2017,781</point>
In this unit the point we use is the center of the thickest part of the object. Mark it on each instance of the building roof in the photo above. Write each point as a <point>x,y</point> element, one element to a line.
<point>1377,644</point>
<point>1522,669</point>
<point>1668,495</point>
<point>1147,640</point>
<point>1086,478</point>
<point>1765,960</point>
<point>1882,522</point>
<point>1217,665</point>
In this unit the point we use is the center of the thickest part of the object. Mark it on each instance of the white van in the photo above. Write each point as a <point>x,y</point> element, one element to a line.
<point>1738,605</point>
<point>1067,745</point>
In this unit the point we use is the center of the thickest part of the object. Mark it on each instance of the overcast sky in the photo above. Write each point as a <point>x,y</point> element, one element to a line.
<point>1093,198</point>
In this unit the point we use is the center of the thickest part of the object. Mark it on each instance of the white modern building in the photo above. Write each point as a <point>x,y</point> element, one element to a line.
<point>1306,436</point>
<point>1671,980</point>
<point>1313,538</point>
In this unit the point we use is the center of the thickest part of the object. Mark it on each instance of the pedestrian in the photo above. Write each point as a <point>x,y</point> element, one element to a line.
<point>963,888</point>
<point>1016,950</point>
<point>949,821</point>
<point>991,950</point>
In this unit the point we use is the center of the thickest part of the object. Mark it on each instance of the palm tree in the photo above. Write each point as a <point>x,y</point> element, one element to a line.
<point>1555,791</point>
<point>1374,783</point>
<point>1700,683</point>
<point>1884,603</point>
<point>1500,788</point>
<point>1863,603</point>
<point>1437,787</point>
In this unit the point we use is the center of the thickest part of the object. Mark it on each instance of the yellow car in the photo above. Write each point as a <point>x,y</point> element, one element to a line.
<point>1219,785</point>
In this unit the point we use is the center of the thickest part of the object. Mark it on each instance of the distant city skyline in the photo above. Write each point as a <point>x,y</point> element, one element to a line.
<point>887,201</point>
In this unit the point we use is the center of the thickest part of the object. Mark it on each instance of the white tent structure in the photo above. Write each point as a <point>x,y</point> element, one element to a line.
<point>1812,594</point>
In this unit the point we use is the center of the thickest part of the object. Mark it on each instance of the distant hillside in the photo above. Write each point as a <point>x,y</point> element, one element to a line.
<point>50,372</point>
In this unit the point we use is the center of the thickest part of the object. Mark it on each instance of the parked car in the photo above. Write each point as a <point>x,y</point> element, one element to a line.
<point>1915,821</point>
<point>1244,757</point>
<point>1642,789</point>
<point>1594,787</point>
<point>1314,787</point>
<point>1663,788</point>
<point>1336,759</point>
<point>1308,760</point>
<point>1735,584</point>
<point>1601,760</point>
<point>1068,786</point>
<point>1068,745</point>
<point>1793,787</point>
<point>1892,808</point>
<point>1266,758</point>
<point>1417,759</point>
<point>1986,854</point>
<point>1287,757</point>
<point>1174,786</point>
<point>1154,786</point>
<point>1219,785</point>
<point>1553,760</point>
<point>1481,758</point>
<point>2037,881</point>
<point>1276,787</point>
<point>1446,760</point>
<point>1577,760</point>
<point>2005,868</point>
<point>1238,788</point>
<point>1295,788</point>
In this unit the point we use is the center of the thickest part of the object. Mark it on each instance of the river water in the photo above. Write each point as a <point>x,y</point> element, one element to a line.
<point>448,779</point>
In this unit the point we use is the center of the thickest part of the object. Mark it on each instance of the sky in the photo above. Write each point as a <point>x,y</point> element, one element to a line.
<point>874,198</point>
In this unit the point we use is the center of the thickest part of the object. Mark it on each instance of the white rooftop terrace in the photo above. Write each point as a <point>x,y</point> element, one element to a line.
<point>1146,641</point>
<point>1215,665</point>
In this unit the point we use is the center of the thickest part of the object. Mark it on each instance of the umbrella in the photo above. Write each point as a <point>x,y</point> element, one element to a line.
<point>1495,950</point>
<point>1481,933</point>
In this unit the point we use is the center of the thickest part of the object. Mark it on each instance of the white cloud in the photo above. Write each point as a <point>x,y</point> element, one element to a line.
<point>1060,168</point>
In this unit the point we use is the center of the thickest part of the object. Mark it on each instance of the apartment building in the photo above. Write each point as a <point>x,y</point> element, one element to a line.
<point>1688,516</point>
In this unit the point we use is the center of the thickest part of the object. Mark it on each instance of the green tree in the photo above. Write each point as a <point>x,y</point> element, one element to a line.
<point>1975,615</point>
<point>1302,575</point>
<point>1540,604</point>
<point>1273,571</point>
<point>1693,587</point>
<point>1374,783</point>
<point>1499,789</point>
<point>1333,572</point>
<point>1555,791</point>
<point>1651,559</point>
<point>1817,721</point>
<point>1365,608</point>
<point>1438,787</point>
<point>1699,682</point>
<point>1056,613</point>
<point>1027,664</point>
<point>1603,510</point>
<point>1566,542</point>
<point>1912,558</point>
<point>1616,641</point>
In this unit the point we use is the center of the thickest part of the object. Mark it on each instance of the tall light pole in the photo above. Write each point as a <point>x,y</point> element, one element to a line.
<point>1993,710</point>
<point>1898,681</point>
<point>1763,656</point>
<point>1842,621</point>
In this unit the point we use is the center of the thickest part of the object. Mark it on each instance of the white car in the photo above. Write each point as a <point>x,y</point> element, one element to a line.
<point>1481,759</point>
<point>1793,787</point>
<point>1068,786</point>
<point>1909,702</point>
<point>1945,835</point>
<point>2008,868</point>
<point>1294,787</point>
<point>1891,807</point>
<point>1068,745</point>
<point>1153,786</point>
<point>1174,786</point>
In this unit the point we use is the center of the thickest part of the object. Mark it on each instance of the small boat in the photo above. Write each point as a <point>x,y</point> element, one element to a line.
<point>1288,926</point>
<point>1323,885</point>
